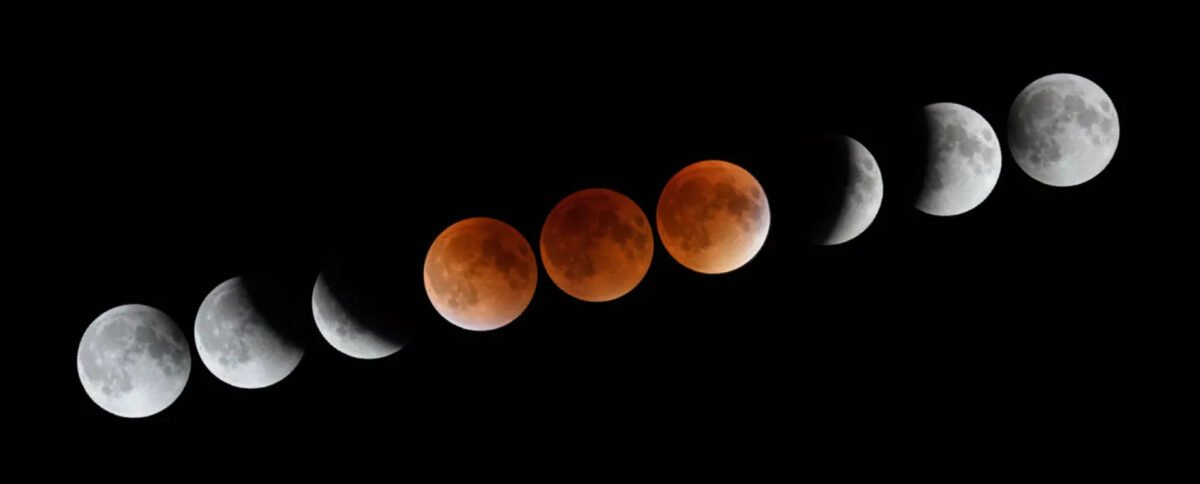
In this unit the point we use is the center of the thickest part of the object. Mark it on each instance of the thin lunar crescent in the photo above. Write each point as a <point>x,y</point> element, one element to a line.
<point>1063,130</point>
<point>239,343</point>
<point>863,194</point>
<point>134,361</point>
<point>962,163</point>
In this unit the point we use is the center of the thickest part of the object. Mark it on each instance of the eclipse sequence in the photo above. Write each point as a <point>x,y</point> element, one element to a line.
<point>596,245</point>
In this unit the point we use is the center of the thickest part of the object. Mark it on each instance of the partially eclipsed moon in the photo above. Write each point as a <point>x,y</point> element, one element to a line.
<point>480,274</point>
<point>963,160</point>
<point>239,342</point>
<point>597,245</point>
<point>713,217</point>
<point>861,196</point>
<point>1063,130</point>
<point>134,361</point>
<point>353,329</point>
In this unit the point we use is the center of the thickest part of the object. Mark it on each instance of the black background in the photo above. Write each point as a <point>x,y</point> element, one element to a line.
<point>203,154</point>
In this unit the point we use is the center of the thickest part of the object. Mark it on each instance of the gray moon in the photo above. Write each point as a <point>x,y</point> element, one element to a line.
<point>862,198</point>
<point>345,331</point>
<point>1063,130</point>
<point>962,160</point>
<point>134,361</point>
<point>238,343</point>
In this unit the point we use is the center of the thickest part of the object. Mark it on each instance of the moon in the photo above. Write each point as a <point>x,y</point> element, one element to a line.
<point>1063,130</point>
<point>240,337</point>
<point>962,160</point>
<point>480,274</point>
<point>713,217</point>
<point>858,197</point>
<point>134,361</point>
<point>348,325</point>
<point>596,245</point>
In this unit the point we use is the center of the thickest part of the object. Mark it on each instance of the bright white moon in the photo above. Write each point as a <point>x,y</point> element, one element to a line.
<point>134,361</point>
<point>1063,130</point>
<point>963,160</point>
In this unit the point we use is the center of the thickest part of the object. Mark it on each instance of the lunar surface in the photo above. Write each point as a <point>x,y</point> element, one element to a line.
<point>351,328</point>
<point>713,217</point>
<point>596,245</point>
<point>480,274</point>
<point>963,160</point>
<point>238,340</point>
<point>1063,130</point>
<point>134,361</point>
<point>860,198</point>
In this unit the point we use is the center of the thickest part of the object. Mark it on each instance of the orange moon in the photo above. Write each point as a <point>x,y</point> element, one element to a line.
<point>597,245</point>
<point>713,217</point>
<point>480,274</point>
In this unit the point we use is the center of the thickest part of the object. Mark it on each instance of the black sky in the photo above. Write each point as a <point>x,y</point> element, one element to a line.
<point>206,157</point>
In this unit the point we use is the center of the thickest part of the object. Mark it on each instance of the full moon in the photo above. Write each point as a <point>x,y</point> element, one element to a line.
<point>134,361</point>
<point>860,197</point>
<point>352,328</point>
<point>480,274</point>
<point>962,162</point>
<point>1063,130</point>
<point>240,339</point>
<point>713,217</point>
<point>596,245</point>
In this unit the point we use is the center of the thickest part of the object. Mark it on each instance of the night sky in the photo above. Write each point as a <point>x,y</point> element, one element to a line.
<point>197,161</point>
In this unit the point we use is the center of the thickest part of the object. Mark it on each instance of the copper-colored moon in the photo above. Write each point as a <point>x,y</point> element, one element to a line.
<point>480,274</point>
<point>713,217</point>
<point>597,245</point>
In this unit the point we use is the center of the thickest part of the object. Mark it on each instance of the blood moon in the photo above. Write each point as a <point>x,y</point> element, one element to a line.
<point>597,244</point>
<point>480,274</point>
<point>713,216</point>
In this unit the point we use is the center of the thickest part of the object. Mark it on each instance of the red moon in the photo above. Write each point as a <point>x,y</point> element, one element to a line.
<point>713,217</point>
<point>480,274</point>
<point>596,245</point>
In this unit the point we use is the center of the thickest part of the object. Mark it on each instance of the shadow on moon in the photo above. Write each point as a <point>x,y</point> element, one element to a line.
<point>822,179</point>
<point>368,297</point>
<point>908,169</point>
<point>283,304</point>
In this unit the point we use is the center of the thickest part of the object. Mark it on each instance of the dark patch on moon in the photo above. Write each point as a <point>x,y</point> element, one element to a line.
<point>456,292</point>
<point>1077,109</point>
<point>366,291</point>
<point>691,198</point>
<point>506,261</point>
<point>1024,132</point>
<point>261,316</point>
<point>824,176</point>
